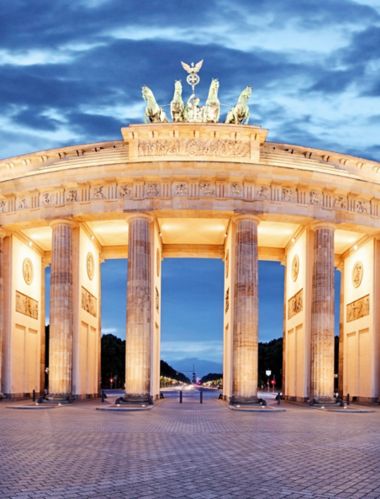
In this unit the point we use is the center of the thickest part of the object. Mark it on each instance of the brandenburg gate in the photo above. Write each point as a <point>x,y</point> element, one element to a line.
<point>192,187</point>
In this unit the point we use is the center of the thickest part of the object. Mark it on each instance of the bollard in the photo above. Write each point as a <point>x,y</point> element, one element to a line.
<point>180,396</point>
<point>34,395</point>
<point>201,396</point>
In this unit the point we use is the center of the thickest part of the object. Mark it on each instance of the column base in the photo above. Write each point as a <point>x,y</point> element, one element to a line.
<point>59,398</point>
<point>135,398</point>
<point>235,399</point>
<point>322,400</point>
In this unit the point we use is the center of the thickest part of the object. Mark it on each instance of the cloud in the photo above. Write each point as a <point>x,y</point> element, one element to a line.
<point>176,350</point>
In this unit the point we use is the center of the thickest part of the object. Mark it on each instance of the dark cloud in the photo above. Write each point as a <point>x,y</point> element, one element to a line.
<point>95,125</point>
<point>333,82</point>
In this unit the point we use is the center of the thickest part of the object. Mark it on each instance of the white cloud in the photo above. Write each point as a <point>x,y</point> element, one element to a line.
<point>32,57</point>
<point>176,350</point>
<point>111,330</point>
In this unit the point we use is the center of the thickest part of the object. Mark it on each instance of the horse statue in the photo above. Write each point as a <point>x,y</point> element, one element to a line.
<point>193,112</point>
<point>211,110</point>
<point>177,106</point>
<point>153,112</point>
<point>239,115</point>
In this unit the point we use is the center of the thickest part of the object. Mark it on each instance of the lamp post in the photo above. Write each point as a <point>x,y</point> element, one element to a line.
<point>268,372</point>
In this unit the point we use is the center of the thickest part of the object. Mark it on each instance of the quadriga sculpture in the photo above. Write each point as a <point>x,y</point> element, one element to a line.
<point>153,112</point>
<point>239,114</point>
<point>177,106</point>
<point>211,110</point>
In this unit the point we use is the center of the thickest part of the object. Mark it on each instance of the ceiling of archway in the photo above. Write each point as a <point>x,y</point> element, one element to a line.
<point>192,231</point>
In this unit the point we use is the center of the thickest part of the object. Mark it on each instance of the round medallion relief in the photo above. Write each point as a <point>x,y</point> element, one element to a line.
<point>90,263</point>
<point>27,270</point>
<point>295,267</point>
<point>357,274</point>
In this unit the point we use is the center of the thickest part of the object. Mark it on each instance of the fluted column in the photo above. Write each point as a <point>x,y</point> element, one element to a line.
<point>322,315</point>
<point>139,309</point>
<point>61,309</point>
<point>245,311</point>
<point>2,303</point>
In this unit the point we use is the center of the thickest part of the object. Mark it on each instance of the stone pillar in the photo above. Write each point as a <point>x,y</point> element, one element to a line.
<point>2,304</point>
<point>44,265</point>
<point>322,315</point>
<point>61,310</point>
<point>284,333</point>
<point>139,309</point>
<point>245,311</point>
<point>341,333</point>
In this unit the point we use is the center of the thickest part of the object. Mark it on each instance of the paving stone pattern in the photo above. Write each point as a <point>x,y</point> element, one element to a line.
<point>188,451</point>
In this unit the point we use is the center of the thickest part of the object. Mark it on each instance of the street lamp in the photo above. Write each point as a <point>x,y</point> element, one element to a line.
<point>268,372</point>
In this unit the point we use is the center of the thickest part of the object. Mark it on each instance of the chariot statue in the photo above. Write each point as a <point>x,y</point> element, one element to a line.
<point>192,111</point>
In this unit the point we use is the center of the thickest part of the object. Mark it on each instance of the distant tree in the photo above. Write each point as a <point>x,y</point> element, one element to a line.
<point>211,377</point>
<point>168,372</point>
<point>113,361</point>
<point>270,358</point>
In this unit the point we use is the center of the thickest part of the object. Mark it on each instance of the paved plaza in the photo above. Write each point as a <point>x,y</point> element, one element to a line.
<point>189,451</point>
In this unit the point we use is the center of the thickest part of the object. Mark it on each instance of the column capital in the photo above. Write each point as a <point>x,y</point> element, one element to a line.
<point>245,216</point>
<point>136,216</point>
<point>4,233</point>
<point>65,221</point>
<point>322,225</point>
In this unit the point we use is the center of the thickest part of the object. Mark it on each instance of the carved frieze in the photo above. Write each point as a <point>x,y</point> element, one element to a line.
<point>194,147</point>
<point>71,195</point>
<point>206,189</point>
<point>26,305</point>
<point>88,302</point>
<point>180,189</point>
<point>357,309</point>
<point>152,190</point>
<point>97,192</point>
<point>295,304</point>
<point>125,191</point>
<point>247,191</point>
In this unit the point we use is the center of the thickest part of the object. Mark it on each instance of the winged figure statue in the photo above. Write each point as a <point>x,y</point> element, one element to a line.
<point>192,68</point>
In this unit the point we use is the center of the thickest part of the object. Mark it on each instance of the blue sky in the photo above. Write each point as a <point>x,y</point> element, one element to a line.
<point>72,71</point>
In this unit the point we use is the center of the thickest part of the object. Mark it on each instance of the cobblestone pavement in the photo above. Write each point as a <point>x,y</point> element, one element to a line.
<point>188,451</point>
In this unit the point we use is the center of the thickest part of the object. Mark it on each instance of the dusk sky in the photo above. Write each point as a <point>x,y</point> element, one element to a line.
<point>72,71</point>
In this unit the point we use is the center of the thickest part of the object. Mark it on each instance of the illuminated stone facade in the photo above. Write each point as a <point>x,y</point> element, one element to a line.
<point>189,190</point>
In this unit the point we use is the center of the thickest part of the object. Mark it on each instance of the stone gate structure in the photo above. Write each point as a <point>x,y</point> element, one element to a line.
<point>180,190</point>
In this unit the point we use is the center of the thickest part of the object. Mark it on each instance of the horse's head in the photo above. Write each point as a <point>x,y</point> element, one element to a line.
<point>146,92</point>
<point>214,84</point>
<point>213,91</point>
<point>247,92</point>
<point>177,88</point>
